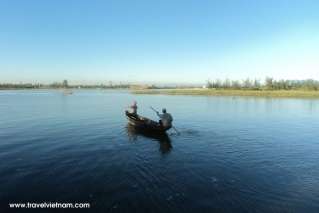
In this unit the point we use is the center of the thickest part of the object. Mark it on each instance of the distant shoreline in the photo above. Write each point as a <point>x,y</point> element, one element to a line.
<point>231,92</point>
<point>61,89</point>
<point>197,92</point>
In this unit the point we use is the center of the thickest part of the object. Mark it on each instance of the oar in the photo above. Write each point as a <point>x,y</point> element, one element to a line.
<point>172,125</point>
<point>176,130</point>
<point>153,109</point>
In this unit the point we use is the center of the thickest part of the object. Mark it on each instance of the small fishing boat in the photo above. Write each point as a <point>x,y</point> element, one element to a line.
<point>145,124</point>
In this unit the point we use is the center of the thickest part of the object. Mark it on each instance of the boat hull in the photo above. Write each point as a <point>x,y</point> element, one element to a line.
<point>145,124</point>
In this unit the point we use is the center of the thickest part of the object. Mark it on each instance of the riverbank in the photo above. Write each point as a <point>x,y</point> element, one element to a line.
<point>225,92</point>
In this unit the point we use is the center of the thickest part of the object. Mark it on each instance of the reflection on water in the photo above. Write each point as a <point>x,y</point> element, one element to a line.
<point>163,139</point>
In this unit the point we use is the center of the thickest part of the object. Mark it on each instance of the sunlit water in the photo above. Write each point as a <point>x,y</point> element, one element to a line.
<point>232,155</point>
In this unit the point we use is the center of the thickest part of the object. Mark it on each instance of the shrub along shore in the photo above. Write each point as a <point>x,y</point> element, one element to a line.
<point>270,88</point>
<point>233,92</point>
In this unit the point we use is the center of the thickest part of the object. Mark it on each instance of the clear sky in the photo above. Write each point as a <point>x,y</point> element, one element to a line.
<point>163,41</point>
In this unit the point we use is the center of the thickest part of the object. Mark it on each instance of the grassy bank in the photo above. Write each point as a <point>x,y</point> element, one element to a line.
<point>225,92</point>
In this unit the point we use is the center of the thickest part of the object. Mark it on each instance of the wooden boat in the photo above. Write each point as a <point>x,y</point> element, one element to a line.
<point>145,124</point>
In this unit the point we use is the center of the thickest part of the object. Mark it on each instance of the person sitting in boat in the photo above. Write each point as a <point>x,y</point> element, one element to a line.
<point>134,108</point>
<point>166,119</point>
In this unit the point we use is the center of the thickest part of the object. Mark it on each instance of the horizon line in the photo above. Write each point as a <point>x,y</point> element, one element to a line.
<point>117,82</point>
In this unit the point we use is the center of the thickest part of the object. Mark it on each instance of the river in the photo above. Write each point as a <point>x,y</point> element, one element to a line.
<point>233,154</point>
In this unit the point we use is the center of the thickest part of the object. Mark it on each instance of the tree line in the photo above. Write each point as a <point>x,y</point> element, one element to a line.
<point>268,84</point>
<point>62,85</point>
<point>20,86</point>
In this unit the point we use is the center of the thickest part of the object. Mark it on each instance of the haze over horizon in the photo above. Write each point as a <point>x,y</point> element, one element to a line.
<point>158,41</point>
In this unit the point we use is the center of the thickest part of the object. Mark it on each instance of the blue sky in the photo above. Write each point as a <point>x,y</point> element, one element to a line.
<point>179,41</point>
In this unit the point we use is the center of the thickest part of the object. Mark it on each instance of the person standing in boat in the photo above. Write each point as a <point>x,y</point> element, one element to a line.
<point>134,108</point>
<point>166,119</point>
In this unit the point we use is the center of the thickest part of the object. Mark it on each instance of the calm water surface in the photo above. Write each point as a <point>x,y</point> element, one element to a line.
<point>233,154</point>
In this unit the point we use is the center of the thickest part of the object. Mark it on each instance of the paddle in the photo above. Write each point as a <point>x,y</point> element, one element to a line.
<point>176,130</point>
<point>153,109</point>
<point>172,125</point>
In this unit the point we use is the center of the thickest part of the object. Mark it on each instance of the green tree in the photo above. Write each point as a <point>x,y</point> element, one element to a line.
<point>269,83</point>
<point>247,83</point>
<point>227,84</point>
<point>209,84</point>
<point>256,84</point>
<point>236,84</point>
